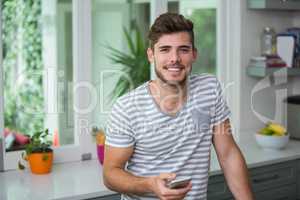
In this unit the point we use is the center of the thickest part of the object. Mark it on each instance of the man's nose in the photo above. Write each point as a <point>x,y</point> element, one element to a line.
<point>174,57</point>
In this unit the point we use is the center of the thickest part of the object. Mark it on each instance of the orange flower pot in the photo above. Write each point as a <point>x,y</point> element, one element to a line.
<point>40,163</point>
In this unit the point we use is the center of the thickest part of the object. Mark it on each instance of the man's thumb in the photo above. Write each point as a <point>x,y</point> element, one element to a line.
<point>167,176</point>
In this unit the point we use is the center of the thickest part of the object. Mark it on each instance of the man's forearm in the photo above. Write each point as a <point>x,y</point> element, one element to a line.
<point>119,180</point>
<point>236,174</point>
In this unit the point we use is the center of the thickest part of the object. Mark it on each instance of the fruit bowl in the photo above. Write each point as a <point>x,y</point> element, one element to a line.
<point>272,142</point>
<point>272,136</point>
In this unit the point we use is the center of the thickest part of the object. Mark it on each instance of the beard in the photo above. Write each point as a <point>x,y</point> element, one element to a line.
<point>170,83</point>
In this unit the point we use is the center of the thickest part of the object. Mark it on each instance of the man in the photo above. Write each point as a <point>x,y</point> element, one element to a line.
<point>164,129</point>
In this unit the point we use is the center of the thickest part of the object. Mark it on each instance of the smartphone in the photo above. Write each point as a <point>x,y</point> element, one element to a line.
<point>179,183</point>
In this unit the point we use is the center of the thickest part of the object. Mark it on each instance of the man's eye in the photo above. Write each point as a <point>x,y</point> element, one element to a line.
<point>164,50</point>
<point>185,50</point>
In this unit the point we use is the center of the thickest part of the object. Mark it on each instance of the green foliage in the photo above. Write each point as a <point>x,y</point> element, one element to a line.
<point>39,142</point>
<point>135,65</point>
<point>22,64</point>
<point>205,40</point>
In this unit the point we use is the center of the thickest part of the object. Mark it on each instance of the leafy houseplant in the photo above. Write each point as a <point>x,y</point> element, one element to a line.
<point>38,153</point>
<point>134,63</point>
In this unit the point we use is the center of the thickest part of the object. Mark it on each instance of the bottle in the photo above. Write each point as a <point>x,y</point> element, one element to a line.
<point>268,42</point>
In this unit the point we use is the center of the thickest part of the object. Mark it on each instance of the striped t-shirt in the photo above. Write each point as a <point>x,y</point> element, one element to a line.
<point>162,143</point>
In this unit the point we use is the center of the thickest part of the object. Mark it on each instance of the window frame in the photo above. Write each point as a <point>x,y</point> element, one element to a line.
<point>229,38</point>
<point>228,51</point>
<point>82,142</point>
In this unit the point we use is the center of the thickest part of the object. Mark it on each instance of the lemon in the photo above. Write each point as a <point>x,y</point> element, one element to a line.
<point>277,129</point>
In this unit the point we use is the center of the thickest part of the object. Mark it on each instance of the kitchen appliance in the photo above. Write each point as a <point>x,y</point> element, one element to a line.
<point>293,116</point>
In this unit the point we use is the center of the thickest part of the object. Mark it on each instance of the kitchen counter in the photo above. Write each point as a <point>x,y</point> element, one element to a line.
<point>255,156</point>
<point>83,180</point>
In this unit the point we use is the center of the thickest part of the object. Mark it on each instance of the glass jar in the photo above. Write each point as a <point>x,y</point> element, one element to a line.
<point>268,41</point>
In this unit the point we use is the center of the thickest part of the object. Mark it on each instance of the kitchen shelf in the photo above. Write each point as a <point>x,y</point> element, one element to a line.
<point>266,71</point>
<point>274,4</point>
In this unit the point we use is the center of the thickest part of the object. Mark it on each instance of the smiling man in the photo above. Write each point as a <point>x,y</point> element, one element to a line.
<point>163,130</point>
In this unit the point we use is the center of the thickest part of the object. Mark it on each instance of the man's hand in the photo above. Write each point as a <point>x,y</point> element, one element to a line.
<point>158,185</point>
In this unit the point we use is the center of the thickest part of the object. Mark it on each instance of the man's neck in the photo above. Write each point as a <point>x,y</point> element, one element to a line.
<point>170,98</point>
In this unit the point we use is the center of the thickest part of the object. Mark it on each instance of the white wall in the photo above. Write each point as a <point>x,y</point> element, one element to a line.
<point>264,101</point>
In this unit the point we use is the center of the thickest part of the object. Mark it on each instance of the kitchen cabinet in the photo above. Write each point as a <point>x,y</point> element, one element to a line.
<point>276,181</point>
<point>276,175</point>
<point>217,188</point>
<point>286,192</point>
<point>279,181</point>
<point>274,4</point>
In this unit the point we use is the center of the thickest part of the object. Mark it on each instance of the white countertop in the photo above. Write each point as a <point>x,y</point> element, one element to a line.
<point>82,180</point>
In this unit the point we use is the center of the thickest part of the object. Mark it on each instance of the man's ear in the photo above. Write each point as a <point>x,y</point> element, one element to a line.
<point>150,55</point>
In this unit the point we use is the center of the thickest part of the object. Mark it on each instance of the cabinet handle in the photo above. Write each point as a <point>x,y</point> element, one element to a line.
<point>261,180</point>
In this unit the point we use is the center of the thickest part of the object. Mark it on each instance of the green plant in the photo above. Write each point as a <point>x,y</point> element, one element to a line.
<point>39,142</point>
<point>135,65</point>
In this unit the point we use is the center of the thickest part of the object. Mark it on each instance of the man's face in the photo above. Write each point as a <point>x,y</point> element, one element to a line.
<point>173,56</point>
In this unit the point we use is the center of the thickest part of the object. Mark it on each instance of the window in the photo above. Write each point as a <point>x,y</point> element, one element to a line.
<point>217,33</point>
<point>109,21</point>
<point>37,72</point>
<point>22,68</point>
<point>204,16</point>
<point>123,14</point>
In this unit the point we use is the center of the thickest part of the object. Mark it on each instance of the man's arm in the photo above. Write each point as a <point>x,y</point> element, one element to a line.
<point>232,162</point>
<point>117,179</point>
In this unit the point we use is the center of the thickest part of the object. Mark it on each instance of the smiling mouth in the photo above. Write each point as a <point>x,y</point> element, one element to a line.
<point>174,68</point>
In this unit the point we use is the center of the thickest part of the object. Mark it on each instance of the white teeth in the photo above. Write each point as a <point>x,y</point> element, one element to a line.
<point>174,69</point>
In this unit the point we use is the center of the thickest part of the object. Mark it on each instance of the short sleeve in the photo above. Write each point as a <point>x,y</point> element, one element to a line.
<point>118,129</point>
<point>221,110</point>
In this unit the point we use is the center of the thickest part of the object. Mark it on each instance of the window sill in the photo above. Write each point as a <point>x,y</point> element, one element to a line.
<point>73,180</point>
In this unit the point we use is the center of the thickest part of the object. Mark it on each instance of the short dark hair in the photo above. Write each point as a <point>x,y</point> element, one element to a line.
<point>170,23</point>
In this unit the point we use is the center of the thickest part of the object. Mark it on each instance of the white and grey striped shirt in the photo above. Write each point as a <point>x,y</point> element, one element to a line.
<point>163,143</point>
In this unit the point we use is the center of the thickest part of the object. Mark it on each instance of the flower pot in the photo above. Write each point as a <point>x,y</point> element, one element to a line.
<point>40,163</point>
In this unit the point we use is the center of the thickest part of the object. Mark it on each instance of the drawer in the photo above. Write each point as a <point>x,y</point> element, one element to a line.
<point>273,175</point>
<point>287,192</point>
<point>217,188</point>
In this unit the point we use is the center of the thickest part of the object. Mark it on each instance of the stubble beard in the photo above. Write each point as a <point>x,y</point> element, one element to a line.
<point>181,83</point>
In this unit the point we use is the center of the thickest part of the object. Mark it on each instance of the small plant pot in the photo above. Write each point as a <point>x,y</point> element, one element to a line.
<point>100,153</point>
<point>40,163</point>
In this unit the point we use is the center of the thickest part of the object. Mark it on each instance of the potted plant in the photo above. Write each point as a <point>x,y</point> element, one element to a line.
<point>134,63</point>
<point>38,153</point>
